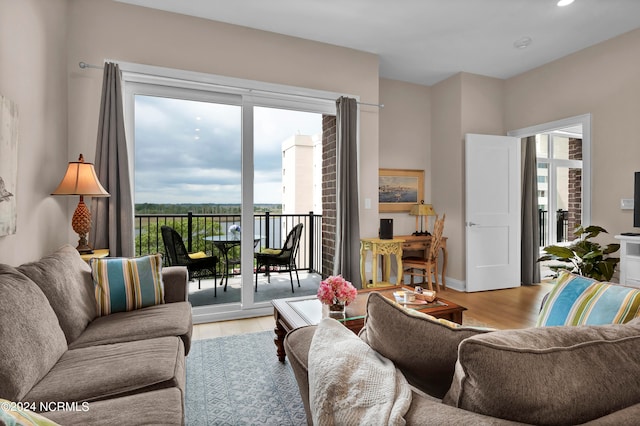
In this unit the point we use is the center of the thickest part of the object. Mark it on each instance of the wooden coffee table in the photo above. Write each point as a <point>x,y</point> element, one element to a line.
<point>296,312</point>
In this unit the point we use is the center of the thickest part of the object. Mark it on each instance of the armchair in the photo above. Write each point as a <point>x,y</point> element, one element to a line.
<point>198,264</point>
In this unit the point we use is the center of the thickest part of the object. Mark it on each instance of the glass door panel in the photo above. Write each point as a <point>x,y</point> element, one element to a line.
<point>543,202</point>
<point>187,177</point>
<point>287,187</point>
<point>568,202</point>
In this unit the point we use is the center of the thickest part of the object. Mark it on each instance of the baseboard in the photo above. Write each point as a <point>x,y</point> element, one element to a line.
<point>456,284</point>
<point>204,315</point>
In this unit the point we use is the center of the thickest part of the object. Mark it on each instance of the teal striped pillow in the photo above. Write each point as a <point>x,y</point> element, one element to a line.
<point>19,414</point>
<point>124,284</point>
<point>577,300</point>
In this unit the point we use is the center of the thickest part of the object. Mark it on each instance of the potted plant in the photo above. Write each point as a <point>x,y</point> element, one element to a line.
<point>583,256</point>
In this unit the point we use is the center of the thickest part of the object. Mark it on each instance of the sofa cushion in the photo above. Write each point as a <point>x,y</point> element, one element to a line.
<point>577,300</point>
<point>66,281</point>
<point>125,284</point>
<point>549,375</point>
<point>157,408</point>
<point>424,348</point>
<point>108,371</point>
<point>170,319</point>
<point>31,340</point>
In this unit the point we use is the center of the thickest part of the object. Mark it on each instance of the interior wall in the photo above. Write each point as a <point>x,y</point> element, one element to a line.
<point>446,167</point>
<point>466,103</point>
<point>154,37</point>
<point>405,140</point>
<point>33,75</point>
<point>603,80</point>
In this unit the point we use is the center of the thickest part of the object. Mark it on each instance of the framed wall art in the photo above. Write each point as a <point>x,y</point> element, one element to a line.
<point>399,189</point>
<point>8,165</point>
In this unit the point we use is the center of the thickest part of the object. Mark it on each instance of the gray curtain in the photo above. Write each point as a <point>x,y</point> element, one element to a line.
<point>530,270</point>
<point>347,249</point>
<point>112,225</point>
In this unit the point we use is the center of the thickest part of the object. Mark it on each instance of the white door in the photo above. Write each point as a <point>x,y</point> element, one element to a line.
<point>492,212</point>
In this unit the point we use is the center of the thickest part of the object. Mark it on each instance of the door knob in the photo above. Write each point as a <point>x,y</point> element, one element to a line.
<point>472,224</point>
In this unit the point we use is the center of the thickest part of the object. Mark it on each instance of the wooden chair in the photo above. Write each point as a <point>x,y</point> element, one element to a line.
<point>198,264</point>
<point>427,265</point>
<point>284,257</point>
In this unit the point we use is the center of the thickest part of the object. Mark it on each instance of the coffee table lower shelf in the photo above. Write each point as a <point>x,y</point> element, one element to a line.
<point>296,312</point>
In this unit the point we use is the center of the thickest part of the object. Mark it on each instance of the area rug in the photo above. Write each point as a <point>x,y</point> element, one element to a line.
<point>238,380</point>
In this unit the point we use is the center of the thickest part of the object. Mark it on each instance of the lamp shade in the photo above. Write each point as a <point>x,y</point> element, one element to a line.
<point>80,179</point>
<point>422,210</point>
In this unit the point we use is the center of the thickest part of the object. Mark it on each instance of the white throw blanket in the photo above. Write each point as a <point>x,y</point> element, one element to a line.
<point>350,383</point>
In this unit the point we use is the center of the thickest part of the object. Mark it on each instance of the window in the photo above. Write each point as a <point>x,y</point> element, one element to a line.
<point>559,158</point>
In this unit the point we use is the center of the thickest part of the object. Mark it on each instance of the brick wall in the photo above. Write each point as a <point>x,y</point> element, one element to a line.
<point>575,187</point>
<point>328,193</point>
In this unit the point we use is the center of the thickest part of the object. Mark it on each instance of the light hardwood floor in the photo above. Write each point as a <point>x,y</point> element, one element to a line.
<point>501,309</point>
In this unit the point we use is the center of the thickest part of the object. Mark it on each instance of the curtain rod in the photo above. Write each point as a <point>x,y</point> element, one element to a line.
<point>84,65</point>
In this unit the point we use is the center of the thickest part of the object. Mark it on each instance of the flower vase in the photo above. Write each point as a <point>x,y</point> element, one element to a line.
<point>337,310</point>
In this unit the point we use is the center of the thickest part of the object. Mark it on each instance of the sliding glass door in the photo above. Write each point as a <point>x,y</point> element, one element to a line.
<point>233,172</point>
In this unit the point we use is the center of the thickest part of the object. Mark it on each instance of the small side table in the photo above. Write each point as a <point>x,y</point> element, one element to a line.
<point>99,253</point>
<point>385,248</point>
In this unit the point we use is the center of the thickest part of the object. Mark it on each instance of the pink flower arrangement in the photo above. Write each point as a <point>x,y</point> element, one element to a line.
<point>336,289</point>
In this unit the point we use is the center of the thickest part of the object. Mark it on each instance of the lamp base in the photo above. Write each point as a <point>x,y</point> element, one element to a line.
<point>81,224</point>
<point>83,250</point>
<point>83,246</point>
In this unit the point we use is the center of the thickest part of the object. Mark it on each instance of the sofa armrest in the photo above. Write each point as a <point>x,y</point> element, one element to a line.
<point>626,417</point>
<point>176,284</point>
<point>424,409</point>
<point>296,345</point>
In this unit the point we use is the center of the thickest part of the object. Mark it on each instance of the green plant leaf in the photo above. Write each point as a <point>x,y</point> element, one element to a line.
<point>560,252</point>
<point>611,248</point>
<point>592,255</point>
<point>546,257</point>
<point>583,256</point>
<point>594,230</point>
<point>578,230</point>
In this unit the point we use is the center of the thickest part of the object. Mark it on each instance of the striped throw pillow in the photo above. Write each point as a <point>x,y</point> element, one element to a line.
<point>577,300</point>
<point>19,414</point>
<point>125,284</point>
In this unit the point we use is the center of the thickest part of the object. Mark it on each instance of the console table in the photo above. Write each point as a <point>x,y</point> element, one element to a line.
<point>629,260</point>
<point>99,253</point>
<point>384,248</point>
<point>418,244</point>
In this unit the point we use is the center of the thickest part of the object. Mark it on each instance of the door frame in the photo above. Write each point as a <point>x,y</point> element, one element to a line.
<point>585,121</point>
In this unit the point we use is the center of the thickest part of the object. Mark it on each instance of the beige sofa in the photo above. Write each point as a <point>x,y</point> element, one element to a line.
<point>57,357</point>
<point>462,375</point>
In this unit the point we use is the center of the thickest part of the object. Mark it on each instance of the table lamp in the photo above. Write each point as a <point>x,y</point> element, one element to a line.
<point>420,211</point>
<point>80,179</point>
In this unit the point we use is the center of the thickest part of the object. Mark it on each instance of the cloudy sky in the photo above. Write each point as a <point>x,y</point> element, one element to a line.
<point>189,151</point>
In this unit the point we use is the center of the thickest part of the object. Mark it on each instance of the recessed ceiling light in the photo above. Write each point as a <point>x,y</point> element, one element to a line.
<point>522,43</point>
<point>562,3</point>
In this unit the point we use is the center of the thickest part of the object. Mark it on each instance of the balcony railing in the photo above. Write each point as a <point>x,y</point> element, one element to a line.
<point>195,228</point>
<point>562,226</point>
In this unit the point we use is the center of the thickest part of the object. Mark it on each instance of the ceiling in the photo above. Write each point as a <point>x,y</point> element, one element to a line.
<point>426,41</point>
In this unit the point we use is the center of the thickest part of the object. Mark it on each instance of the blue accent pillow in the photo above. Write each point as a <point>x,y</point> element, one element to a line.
<point>578,300</point>
<point>126,284</point>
